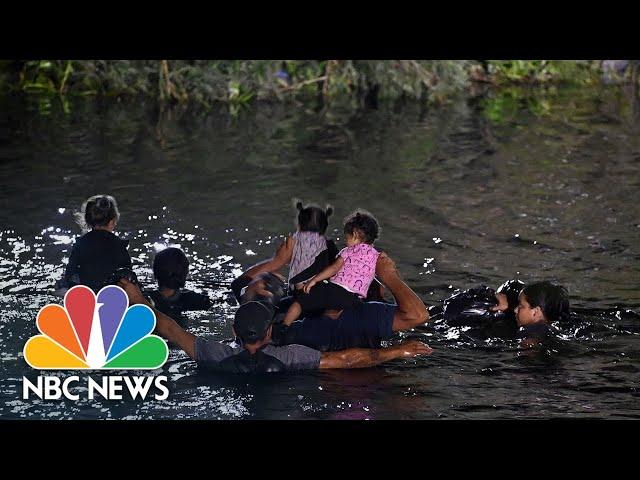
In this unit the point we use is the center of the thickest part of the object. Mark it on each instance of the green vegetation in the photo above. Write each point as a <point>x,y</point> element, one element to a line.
<point>237,83</point>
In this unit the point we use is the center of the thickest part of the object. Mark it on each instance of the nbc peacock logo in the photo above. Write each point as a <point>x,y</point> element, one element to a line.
<point>95,332</point>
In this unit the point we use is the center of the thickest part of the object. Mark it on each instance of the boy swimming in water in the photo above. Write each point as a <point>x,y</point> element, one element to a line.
<point>170,268</point>
<point>539,305</point>
<point>512,309</point>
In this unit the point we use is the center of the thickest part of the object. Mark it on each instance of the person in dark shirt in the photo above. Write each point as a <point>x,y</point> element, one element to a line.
<point>98,253</point>
<point>170,268</point>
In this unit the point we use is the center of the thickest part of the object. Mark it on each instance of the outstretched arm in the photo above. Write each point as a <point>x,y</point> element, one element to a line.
<point>280,259</point>
<point>411,310</point>
<point>328,272</point>
<point>165,325</point>
<point>369,357</point>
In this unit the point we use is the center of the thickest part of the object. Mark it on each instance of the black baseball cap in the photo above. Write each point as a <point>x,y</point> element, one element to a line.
<point>252,320</point>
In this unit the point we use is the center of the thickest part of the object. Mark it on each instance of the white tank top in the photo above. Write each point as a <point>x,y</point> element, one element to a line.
<point>307,247</point>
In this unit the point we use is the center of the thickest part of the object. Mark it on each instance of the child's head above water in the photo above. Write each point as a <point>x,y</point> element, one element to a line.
<point>361,227</point>
<point>312,218</point>
<point>542,301</point>
<point>99,211</point>
<point>170,267</point>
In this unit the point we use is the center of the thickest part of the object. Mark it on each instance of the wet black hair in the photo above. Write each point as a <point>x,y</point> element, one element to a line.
<point>312,218</point>
<point>170,267</point>
<point>552,299</point>
<point>97,211</point>
<point>365,223</point>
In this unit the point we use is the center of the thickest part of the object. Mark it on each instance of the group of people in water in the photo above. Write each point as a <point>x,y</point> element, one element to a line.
<point>329,312</point>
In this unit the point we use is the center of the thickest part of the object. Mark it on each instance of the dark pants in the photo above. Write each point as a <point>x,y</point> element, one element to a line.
<point>327,296</point>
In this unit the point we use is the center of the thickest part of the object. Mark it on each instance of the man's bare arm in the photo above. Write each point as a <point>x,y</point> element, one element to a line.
<point>280,259</point>
<point>411,310</point>
<point>369,357</point>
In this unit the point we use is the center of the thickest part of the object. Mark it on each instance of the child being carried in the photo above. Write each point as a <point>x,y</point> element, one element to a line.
<point>349,275</point>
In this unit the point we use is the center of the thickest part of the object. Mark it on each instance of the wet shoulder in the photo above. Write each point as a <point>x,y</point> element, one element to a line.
<point>101,237</point>
<point>537,330</point>
<point>295,357</point>
<point>191,300</point>
<point>208,350</point>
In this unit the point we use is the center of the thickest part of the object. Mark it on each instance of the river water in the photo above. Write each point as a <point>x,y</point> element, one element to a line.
<point>511,184</point>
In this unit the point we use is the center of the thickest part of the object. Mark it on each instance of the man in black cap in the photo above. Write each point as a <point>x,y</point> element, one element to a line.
<point>255,352</point>
<point>364,325</point>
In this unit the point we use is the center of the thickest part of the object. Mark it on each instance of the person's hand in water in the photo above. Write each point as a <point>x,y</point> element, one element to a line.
<point>133,292</point>
<point>412,348</point>
<point>503,304</point>
<point>309,285</point>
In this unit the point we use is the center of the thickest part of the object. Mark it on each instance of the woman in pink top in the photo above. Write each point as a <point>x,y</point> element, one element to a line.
<point>349,275</point>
